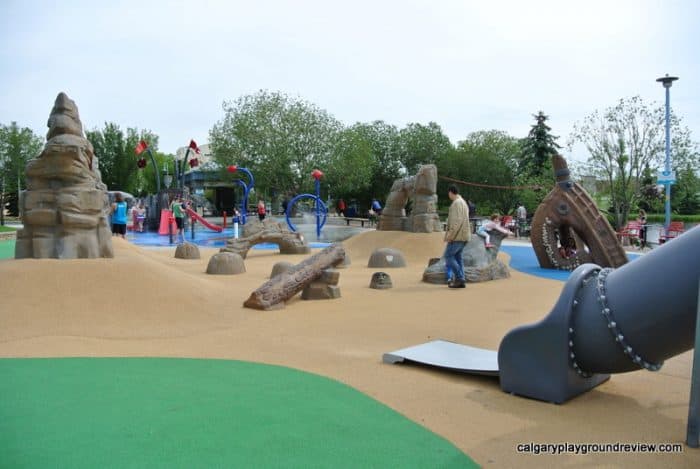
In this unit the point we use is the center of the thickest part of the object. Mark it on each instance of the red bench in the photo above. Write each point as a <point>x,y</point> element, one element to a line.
<point>675,228</point>
<point>630,232</point>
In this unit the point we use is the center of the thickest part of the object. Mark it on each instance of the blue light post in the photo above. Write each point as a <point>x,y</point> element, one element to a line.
<point>667,81</point>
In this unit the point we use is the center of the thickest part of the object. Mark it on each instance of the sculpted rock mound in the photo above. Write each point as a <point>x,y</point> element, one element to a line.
<point>480,264</point>
<point>421,190</point>
<point>65,206</point>
<point>267,232</point>
<point>386,257</point>
<point>187,251</point>
<point>225,263</point>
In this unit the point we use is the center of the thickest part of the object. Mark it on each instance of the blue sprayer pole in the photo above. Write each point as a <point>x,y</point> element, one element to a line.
<point>318,208</point>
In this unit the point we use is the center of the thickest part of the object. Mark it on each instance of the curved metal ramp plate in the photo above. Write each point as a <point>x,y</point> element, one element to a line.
<point>450,355</point>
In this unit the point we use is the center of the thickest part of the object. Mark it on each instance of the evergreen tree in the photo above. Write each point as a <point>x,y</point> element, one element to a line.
<point>650,199</point>
<point>538,148</point>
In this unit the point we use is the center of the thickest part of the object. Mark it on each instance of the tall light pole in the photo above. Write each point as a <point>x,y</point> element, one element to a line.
<point>667,81</point>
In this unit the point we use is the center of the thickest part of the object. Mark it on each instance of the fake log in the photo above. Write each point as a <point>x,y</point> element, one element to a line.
<point>273,293</point>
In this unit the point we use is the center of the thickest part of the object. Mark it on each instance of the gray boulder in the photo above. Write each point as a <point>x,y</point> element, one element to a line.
<point>480,264</point>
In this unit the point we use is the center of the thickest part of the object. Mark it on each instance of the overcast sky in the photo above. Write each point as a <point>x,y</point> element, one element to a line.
<point>467,65</point>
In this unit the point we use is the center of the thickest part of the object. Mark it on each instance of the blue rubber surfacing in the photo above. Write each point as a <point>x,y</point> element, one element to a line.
<point>523,259</point>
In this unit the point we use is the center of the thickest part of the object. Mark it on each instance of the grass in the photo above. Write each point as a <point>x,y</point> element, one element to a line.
<point>4,228</point>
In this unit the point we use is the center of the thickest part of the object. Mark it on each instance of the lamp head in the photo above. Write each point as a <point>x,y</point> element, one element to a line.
<point>667,81</point>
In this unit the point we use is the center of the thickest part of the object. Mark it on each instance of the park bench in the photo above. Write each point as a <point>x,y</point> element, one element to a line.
<point>630,233</point>
<point>675,229</point>
<point>362,221</point>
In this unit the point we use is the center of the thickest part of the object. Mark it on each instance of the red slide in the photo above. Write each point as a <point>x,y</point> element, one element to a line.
<point>196,216</point>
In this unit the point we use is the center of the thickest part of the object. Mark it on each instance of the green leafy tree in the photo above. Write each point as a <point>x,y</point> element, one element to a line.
<point>144,181</point>
<point>350,167</point>
<point>115,152</point>
<point>17,146</point>
<point>621,142</point>
<point>422,144</point>
<point>279,138</point>
<point>384,142</point>
<point>484,159</point>
<point>538,148</point>
<point>685,194</point>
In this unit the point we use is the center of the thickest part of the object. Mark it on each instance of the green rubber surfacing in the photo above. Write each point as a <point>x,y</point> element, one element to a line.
<point>191,413</point>
<point>7,249</point>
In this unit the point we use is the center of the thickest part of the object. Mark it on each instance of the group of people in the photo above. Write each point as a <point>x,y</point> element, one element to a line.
<point>342,209</point>
<point>120,215</point>
<point>458,233</point>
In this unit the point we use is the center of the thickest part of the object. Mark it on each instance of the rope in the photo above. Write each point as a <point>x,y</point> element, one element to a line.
<point>491,186</point>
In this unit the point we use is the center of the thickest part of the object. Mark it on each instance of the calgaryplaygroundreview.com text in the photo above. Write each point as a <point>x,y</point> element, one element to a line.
<point>589,448</point>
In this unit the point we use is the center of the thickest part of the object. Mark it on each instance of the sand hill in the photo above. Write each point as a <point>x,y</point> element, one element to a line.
<point>147,303</point>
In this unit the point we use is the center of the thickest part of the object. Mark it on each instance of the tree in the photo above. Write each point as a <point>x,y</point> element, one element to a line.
<point>684,194</point>
<point>538,148</point>
<point>383,140</point>
<point>422,144</point>
<point>280,139</point>
<point>621,142</point>
<point>650,198</point>
<point>17,146</point>
<point>115,153</point>
<point>350,167</point>
<point>485,158</point>
<point>144,181</point>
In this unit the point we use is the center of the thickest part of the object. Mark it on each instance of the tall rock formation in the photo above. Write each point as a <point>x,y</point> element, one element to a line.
<point>65,206</point>
<point>421,189</point>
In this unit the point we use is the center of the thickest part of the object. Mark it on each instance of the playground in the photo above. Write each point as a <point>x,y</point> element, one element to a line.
<point>332,403</point>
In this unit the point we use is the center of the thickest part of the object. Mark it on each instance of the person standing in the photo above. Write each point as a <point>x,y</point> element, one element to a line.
<point>472,208</point>
<point>521,215</point>
<point>376,207</point>
<point>642,219</point>
<point>179,213</point>
<point>119,215</point>
<point>140,217</point>
<point>457,234</point>
<point>261,210</point>
<point>341,207</point>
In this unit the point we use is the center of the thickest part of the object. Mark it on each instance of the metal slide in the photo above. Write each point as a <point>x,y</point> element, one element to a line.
<point>605,321</point>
